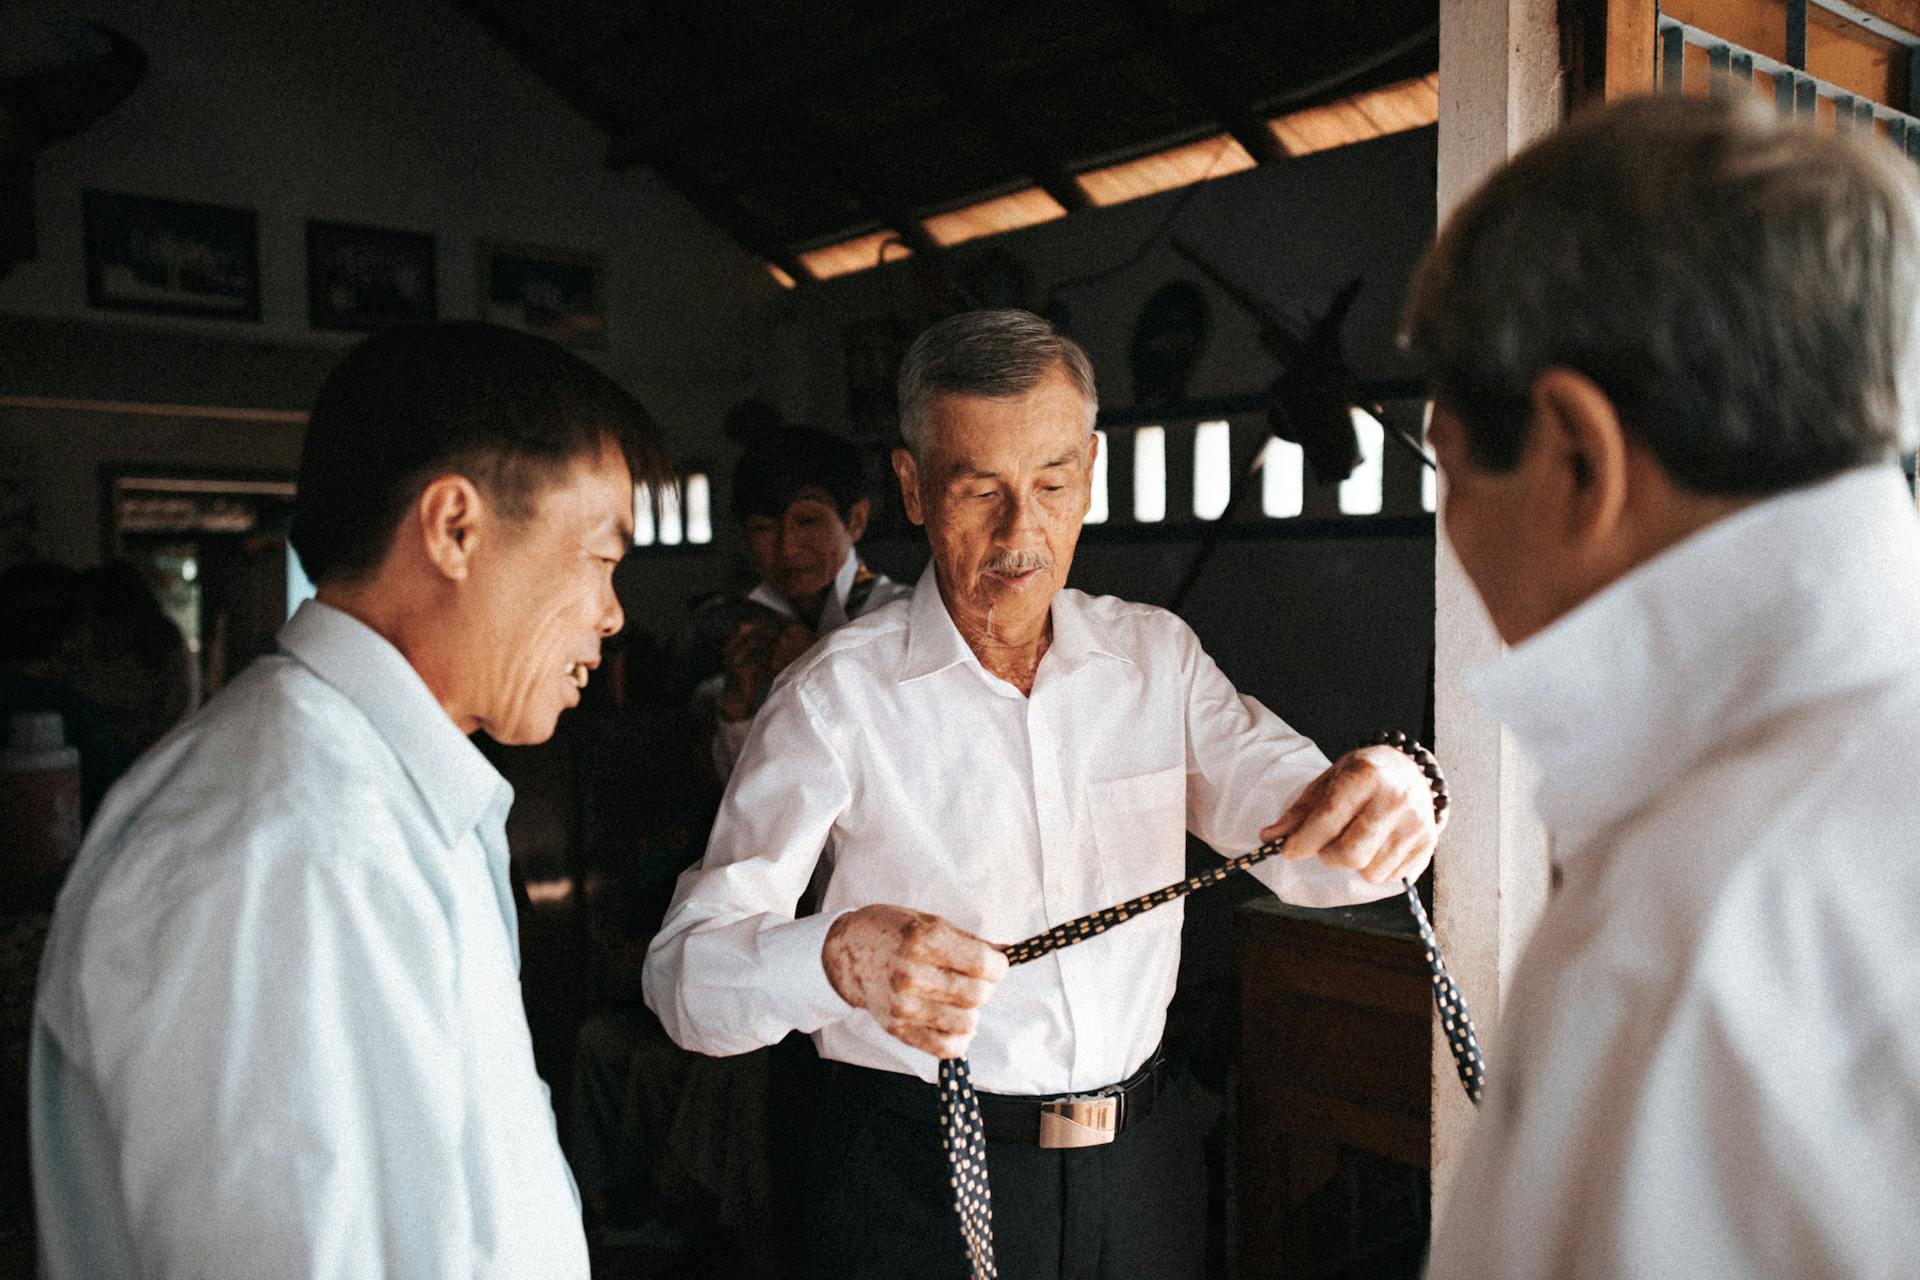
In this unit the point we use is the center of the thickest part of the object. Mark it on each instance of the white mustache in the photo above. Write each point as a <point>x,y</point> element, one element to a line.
<point>1018,562</point>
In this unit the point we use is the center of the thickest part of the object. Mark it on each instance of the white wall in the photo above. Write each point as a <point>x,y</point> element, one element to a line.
<point>405,115</point>
<point>402,115</point>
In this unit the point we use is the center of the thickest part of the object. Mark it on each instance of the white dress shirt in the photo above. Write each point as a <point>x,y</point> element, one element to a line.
<point>1709,1064</point>
<point>279,1029</point>
<point>939,787</point>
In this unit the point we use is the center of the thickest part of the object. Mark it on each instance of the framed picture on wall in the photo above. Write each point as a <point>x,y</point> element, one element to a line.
<point>362,278</point>
<point>556,293</point>
<point>170,257</point>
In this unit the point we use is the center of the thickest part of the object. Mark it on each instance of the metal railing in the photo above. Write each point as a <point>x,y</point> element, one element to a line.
<point>1795,91</point>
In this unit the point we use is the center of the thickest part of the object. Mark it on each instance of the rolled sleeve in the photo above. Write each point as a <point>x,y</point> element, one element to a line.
<point>732,969</point>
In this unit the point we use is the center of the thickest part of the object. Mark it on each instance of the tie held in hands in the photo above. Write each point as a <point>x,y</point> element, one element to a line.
<point>1371,812</point>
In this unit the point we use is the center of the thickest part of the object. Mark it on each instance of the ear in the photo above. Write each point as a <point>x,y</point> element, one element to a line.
<point>1093,456</point>
<point>1584,454</point>
<point>907,468</point>
<point>450,513</point>
<point>857,516</point>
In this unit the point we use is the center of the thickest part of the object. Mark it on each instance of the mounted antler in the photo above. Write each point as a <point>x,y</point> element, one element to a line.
<point>1309,404</point>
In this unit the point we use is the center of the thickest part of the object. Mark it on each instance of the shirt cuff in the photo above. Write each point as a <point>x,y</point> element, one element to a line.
<point>790,955</point>
<point>1313,883</point>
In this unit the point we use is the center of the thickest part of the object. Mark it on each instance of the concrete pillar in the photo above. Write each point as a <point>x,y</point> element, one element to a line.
<point>1500,87</point>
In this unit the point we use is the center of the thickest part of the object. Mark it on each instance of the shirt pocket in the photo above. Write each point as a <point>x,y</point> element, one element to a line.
<point>1140,826</point>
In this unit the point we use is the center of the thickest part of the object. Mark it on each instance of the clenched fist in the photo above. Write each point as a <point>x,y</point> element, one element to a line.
<point>921,978</point>
<point>1370,812</point>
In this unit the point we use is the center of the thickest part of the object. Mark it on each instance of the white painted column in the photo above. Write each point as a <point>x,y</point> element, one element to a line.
<point>1500,86</point>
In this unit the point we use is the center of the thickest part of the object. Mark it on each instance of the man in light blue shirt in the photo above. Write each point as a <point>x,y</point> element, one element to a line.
<point>279,1029</point>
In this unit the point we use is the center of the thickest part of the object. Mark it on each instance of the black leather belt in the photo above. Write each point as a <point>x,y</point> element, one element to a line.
<point>1053,1122</point>
<point>1074,1120</point>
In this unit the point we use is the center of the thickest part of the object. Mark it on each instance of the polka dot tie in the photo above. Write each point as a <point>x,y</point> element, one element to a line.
<point>1452,1005</point>
<point>963,1135</point>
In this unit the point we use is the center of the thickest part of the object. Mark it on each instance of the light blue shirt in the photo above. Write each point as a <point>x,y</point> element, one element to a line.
<point>279,1029</point>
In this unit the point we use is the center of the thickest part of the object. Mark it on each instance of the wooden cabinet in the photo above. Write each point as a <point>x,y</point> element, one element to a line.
<point>1335,1034</point>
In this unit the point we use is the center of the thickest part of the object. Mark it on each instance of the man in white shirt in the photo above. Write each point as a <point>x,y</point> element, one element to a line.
<point>279,1030</point>
<point>994,756</point>
<point>1673,351</point>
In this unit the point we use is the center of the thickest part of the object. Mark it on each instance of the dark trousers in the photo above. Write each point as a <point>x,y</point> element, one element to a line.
<point>880,1207</point>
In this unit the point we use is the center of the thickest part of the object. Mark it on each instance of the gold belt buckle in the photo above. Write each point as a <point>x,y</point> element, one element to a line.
<point>1079,1122</point>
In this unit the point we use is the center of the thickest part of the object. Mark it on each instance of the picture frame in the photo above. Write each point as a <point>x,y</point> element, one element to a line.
<point>363,278</point>
<point>557,293</point>
<point>171,257</point>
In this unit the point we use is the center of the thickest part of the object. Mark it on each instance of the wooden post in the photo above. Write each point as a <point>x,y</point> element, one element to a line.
<point>1631,41</point>
<point>1500,87</point>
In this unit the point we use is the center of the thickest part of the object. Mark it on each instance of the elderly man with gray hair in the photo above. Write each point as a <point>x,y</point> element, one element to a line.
<point>1673,350</point>
<point>987,759</point>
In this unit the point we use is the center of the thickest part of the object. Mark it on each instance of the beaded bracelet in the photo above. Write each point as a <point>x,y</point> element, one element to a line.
<point>1428,765</point>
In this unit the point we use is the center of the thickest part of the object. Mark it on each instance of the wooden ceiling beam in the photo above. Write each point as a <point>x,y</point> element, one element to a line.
<point>829,154</point>
<point>1017,143</point>
<point>1173,46</point>
<point>921,25</point>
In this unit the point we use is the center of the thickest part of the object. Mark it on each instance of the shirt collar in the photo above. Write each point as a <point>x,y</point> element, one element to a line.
<point>934,643</point>
<point>766,595</point>
<point>834,615</point>
<point>1074,637</point>
<point>1793,599</point>
<point>454,780</point>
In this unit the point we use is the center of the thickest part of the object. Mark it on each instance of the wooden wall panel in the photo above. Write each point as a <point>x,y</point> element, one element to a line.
<point>1631,47</point>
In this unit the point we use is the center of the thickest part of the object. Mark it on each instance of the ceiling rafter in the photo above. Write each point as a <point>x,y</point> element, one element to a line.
<point>793,125</point>
<point>1173,45</point>
<point>922,24</point>
<point>1019,145</point>
<point>843,168</point>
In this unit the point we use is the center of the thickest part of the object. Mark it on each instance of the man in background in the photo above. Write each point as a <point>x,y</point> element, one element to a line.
<point>802,502</point>
<point>1673,353</point>
<point>279,1030</point>
<point>671,1146</point>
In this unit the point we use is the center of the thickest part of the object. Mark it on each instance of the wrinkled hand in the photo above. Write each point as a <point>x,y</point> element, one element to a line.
<point>922,979</point>
<point>1370,812</point>
<point>758,651</point>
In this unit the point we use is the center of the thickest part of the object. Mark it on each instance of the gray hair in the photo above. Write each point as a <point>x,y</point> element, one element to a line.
<point>1741,286</point>
<point>996,354</point>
